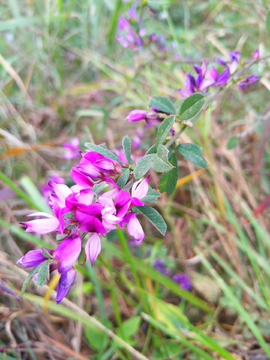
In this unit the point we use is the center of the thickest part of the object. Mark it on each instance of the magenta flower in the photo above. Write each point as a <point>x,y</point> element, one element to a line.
<point>42,226</point>
<point>33,258</point>
<point>126,36</point>
<point>249,80</point>
<point>64,284</point>
<point>72,149</point>
<point>135,229</point>
<point>96,165</point>
<point>256,54</point>
<point>224,76</point>
<point>140,188</point>
<point>81,179</point>
<point>137,115</point>
<point>92,248</point>
<point>68,252</point>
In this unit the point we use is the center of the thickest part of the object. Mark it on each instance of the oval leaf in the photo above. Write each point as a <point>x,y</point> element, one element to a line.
<point>153,216</point>
<point>126,146</point>
<point>191,106</point>
<point>169,179</point>
<point>123,178</point>
<point>143,165</point>
<point>163,104</point>
<point>164,129</point>
<point>192,152</point>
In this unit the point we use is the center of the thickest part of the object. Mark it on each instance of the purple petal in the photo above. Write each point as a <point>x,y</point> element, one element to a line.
<point>221,62</point>
<point>136,115</point>
<point>64,284</point>
<point>93,248</point>
<point>224,76</point>
<point>32,258</point>
<point>256,54</point>
<point>81,179</point>
<point>199,80</point>
<point>198,69</point>
<point>68,252</point>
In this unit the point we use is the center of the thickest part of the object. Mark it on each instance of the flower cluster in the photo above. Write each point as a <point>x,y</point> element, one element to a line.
<point>85,208</point>
<point>206,78</point>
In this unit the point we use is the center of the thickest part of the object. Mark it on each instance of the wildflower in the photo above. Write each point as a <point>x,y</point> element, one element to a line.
<point>33,258</point>
<point>135,229</point>
<point>67,253</point>
<point>159,265</point>
<point>72,149</point>
<point>92,248</point>
<point>96,165</point>
<point>256,54</point>
<point>64,284</point>
<point>126,36</point>
<point>42,226</point>
<point>183,281</point>
<point>249,80</point>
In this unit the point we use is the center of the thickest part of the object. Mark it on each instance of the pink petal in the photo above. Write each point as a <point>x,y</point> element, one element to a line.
<point>140,188</point>
<point>135,229</point>
<point>93,248</point>
<point>68,252</point>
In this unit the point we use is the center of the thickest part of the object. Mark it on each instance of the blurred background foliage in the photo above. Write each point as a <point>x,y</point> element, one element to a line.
<point>63,74</point>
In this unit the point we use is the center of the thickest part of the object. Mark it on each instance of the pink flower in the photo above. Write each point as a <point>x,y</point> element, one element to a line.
<point>33,258</point>
<point>135,229</point>
<point>64,284</point>
<point>96,165</point>
<point>140,188</point>
<point>68,252</point>
<point>72,149</point>
<point>256,54</point>
<point>42,226</point>
<point>92,248</point>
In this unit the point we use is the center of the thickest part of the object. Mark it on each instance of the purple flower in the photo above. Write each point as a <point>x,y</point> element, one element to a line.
<point>126,36</point>
<point>64,284</point>
<point>224,76</point>
<point>33,258</point>
<point>249,80</point>
<point>96,165</point>
<point>183,281</point>
<point>42,226</point>
<point>92,248</point>
<point>72,149</point>
<point>68,252</point>
<point>136,115</point>
<point>135,229</point>
<point>256,54</point>
<point>159,265</point>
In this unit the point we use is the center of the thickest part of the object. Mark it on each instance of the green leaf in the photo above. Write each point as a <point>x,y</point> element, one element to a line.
<point>164,129</point>
<point>46,254</point>
<point>163,104</point>
<point>153,216</point>
<point>103,151</point>
<point>152,150</point>
<point>131,326</point>
<point>126,146</point>
<point>191,106</point>
<point>178,105</point>
<point>232,142</point>
<point>95,337</point>
<point>268,21</point>
<point>43,273</point>
<point>192,152</point>
<point>29,278</point>
<point>123,178</point>
<point>143,165</point>
<point>99,187</point>
<point>151,196</point>
<point>160,162</point>
<point>169,179</point>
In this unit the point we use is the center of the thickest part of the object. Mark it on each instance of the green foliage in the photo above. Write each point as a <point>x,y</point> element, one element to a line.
<point>268,21</point>
<point>153,216</point>
<point>99,187</point>
<point>232,142</point>
<point>163,104</point>
<point>126,146</point>
<point>191,106</point>
<point>157,161</point>
<point>123,178</point>
<point>193,153</point>
<point>164,129</point>
<point>43,273</point>
<point>151,196</point>
<point>169,179</point>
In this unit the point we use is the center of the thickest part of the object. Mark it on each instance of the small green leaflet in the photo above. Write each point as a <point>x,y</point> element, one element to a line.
<point>43,273</point>
<point>164,129</point>
<point>163,104</point>
<point>151,196</point>
<point>101,149</point>
<point>28,279</point>
<point>99,187</point>
<point>126,146</point>
<point>232,142</point>
<point>169,179</point>
<point>191,106</point>
<point>123,178</point>
<point>158,162</point>
<point>45,253</point>
<point>268,21</point>
<point>192,152</point>
<point>153,216</point>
